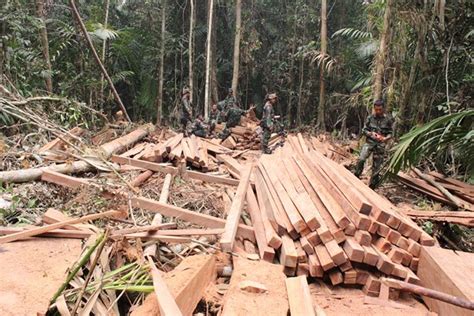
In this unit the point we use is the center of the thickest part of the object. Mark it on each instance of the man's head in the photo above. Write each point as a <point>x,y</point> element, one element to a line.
<point>379,107</point>
<point>214,107</point>
<point>272,97</point>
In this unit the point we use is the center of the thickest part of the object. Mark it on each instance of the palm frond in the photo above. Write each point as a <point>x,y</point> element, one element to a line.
<point>352,33</point>
<point>453,131</point>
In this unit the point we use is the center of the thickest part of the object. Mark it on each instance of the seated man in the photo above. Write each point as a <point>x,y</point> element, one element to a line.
<point>214,118</point>
<point>199,128</point>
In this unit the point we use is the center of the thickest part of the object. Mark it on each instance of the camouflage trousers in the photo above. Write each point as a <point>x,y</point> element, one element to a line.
<point>378,152</point>
<point>266,134</point>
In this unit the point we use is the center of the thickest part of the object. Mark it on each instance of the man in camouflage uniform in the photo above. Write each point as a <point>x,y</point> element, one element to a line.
<point>199,128</point>
<point>267,121</point>
<point>214,117</point>
<point>233,119</point>
<point>225,105</point>
<point>186,112</point>
<point>378,130</point>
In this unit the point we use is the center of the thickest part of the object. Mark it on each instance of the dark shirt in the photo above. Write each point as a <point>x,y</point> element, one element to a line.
<point>381,125</point>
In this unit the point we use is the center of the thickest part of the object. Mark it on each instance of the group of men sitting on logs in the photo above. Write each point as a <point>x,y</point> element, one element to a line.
<point>228,113</point>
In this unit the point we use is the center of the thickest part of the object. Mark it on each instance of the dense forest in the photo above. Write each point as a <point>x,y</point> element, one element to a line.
<point>326,60</point>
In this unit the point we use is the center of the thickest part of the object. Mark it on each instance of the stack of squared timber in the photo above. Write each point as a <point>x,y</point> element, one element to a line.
<point>195,151</point>
<point>243,136</point>
<point>324,222</point>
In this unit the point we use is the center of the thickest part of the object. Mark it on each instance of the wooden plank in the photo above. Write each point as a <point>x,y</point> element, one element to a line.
<point>290,209</point>
<point>281,217</point>
<point>336,277</point>
<point>266,202</point>
<point>360,203</point>
<point>134,151</point>
<point>302,201</point>
<point>323,232</point>
<point>453,271</point>
<point>354,250</point>
<point>56,233</point>
<point>458,217</point>
<point>324,258</point>
<point>350,277</point>
<point>239,302</point>
<point>266,253</point>
<point>189,216</point>
<point>370,256</point>
<point>288,254</point>
<point>315,268</point>
<point>233,215</point>
<point>302,257</point>
<point>336,252</point>
<point>64,180</point>
<point>47,228</point>
<point>166,302</point>
<point>230,163</point>
<point>363,238</point>
<point>145,164</point>
<point>187,284</point>
<point>333,207</point>
<point>299,296</point>
<point>210,178</point>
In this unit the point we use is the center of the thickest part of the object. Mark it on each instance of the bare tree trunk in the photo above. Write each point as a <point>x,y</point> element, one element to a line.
<point>97,59</point>
<point>192,19</point>
<point>238,31</point>
<point>322,89</point>
<point>43,33</point>
<point>208,58</point>
<point>300,93</point>
<point>379,66</point>
<point>159,99</point>
<point>104,47</point>
<point>214,84</point>
<point>289,113</point>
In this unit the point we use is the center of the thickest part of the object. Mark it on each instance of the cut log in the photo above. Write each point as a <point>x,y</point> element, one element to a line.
<point>299,296</point>
<point>145,165</point>
<point>138,181</point>
<point>106,150</point>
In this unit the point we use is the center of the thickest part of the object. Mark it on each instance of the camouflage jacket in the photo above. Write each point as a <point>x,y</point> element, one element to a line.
<point>186,109</point>
<point>380,125</point>
<point>267,116</point>
<point>198,125</point>
<point>214,115</point>
<point>233,116</point>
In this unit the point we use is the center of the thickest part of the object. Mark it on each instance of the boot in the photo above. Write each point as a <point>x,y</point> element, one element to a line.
<point>359,168</point>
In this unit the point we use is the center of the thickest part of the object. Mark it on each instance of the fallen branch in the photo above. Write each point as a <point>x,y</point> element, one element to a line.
<point>423,291</point>
<point>446,193</point>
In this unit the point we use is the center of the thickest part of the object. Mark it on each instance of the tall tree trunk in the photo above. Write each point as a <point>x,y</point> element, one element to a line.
<point>97,59</point>
<point>238,31</point>
<point>324,47</point>
<point>192,19</point>
<point>43,34</point>
<point>214,84</point>
<point>300,93</point>
<point>208,59</point>
<point>104,47</point>
<point>380,62</point>
<point>159,99</point>
<point>289,112</point>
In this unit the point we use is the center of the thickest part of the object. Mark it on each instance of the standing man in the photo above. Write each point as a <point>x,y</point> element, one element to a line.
<point>225,105</point>
<point>378,130</point>
<point>186,110</point>
<point>267,121</point>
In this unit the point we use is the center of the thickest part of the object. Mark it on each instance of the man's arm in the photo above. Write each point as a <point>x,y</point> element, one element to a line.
<point>367,130</point>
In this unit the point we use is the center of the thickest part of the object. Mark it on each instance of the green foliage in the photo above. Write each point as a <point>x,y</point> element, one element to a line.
<point>453,132</point>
